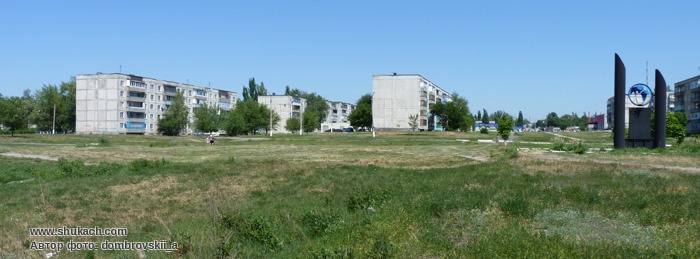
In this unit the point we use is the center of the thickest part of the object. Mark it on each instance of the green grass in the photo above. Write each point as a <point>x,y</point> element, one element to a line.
<point>347,196</point>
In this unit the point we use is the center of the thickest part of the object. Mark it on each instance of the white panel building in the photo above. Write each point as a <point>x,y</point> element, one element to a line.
<point>337,116</point>
<point>129,104</point>
<point>395,97</point>
<point>286,106</point>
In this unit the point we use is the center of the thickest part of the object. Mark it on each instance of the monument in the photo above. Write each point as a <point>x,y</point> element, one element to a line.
<point>643,99</point>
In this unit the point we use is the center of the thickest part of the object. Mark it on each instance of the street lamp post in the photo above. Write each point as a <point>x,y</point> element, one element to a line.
<point>270,117</point>
<point>301,117</point>
<point>374,135</point>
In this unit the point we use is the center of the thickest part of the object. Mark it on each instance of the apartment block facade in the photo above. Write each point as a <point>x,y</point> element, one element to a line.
<point>128,104</point>
<point>687,93</point>
<point>395,97</point>
<point>337,116</point>
<point>286,106</point>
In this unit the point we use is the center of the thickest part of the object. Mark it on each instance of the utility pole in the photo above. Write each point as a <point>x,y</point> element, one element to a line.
<point>301,118</point>
<point>374,135</point>
<point>53,127</point>
<point>270,116</point>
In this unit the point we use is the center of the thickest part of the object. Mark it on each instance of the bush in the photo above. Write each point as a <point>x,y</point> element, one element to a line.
<point>484,130</point>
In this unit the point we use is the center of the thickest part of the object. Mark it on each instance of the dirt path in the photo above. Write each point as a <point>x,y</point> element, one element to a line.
<point>15,154</point>
<point>552,157</point>
<point>562,136</point>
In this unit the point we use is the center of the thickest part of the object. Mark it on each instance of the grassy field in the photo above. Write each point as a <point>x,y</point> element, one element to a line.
<point>348,195</point>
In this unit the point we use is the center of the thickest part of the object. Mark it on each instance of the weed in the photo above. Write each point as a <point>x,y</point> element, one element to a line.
<point>366,199</point>
<point>320,222</point>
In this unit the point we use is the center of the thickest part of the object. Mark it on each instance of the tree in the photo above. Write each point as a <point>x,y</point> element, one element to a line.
<point>253,90</point>
<point>235,124</point>
<point>552,120</point>
<point>292,92</point>
<point>454,115</point>
<point>413,122</point>
<point>253,114</point>
<point>274,118</point>
<point>62,98</point>
<point>292,124</point>
<point>496,116</point>
<point>15,111</point>
<point>362,115</point>
<point>505,126</point>
<point>207,118</point>
<point>485,117</point>
<point>478,116</point>
<point>174,121</point>
<point>520,122</point>
<point>675,126</point>
<point>310,121</point>
<point>318,105</point>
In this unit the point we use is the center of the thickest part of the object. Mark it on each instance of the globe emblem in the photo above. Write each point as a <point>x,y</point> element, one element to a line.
<point>640,95</point>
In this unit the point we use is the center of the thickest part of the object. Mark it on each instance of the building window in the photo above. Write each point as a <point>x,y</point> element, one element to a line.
<point>151,106</point>
<point>122,104</point>
<point>189,92</point>
<point>121,115</point>
<point>121,125</point>
<point>151,124</point>
<point>152,98</point>
<point>158,117</point>
<point>151,87</point>
<point>159,107</point>
<point>121,93</point>
<point>159,88</point>
<point>159,98</point>
<point>151,116</point>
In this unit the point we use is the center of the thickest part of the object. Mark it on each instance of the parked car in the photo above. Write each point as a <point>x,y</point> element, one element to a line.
<point>348,130</point>
<point>333,130</point>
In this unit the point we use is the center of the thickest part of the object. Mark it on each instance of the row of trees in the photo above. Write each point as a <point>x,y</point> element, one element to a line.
<point>248,117</point>
<point>18,113</point>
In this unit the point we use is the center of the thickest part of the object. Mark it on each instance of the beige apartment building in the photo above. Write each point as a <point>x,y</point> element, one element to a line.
<point>395,97</point>
<point>337,116</point>
<point>687,94</point>
<point>128,104</point>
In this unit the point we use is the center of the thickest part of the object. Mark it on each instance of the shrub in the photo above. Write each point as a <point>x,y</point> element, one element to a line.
<point>484,130</point>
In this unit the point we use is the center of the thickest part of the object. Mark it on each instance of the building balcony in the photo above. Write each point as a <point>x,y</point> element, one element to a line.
<point>136,108</point>
<point>135,98</point>
<point>136,119</point>
<point>137,89</point>
<point>224,99</point>
<point>200,97</point>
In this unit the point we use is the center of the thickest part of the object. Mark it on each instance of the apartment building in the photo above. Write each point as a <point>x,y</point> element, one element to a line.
<point>687,94</point>
<point>395,97</point>
<point>337,116</point>
<point>286,106</point>
<point>128,104</point>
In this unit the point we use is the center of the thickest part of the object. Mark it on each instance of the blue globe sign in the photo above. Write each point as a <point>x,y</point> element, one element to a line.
<point>640,95</point>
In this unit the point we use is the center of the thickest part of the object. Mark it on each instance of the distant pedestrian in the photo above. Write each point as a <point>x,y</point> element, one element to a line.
<point>207,140</point>
<point>211,140</point>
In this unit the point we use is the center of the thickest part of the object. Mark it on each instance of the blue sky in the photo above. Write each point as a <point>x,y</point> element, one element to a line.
<point>529,56</point>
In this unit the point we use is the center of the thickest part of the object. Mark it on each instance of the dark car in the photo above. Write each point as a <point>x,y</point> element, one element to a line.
<point>348,130</point>
<point>333,130</point>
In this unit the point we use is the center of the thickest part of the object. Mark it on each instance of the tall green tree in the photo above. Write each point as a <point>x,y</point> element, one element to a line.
<point>292,124</point>
<point>675,126</point>
<point>485,117</point>
<point>552,120</point>
<point>478,116</point>
<point>174,121</point>
<point>361,117</point>
<point>61,97</point>
<point>47,98</point>
<point>207,118</point>
<point>520,122</point>
<point>496,116</point>
<point>505,126</point>
<point>310,121</point>
<point>253,90</point>
<point>235,123</point>
<point>455,115</point>
<point>14,113</point>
